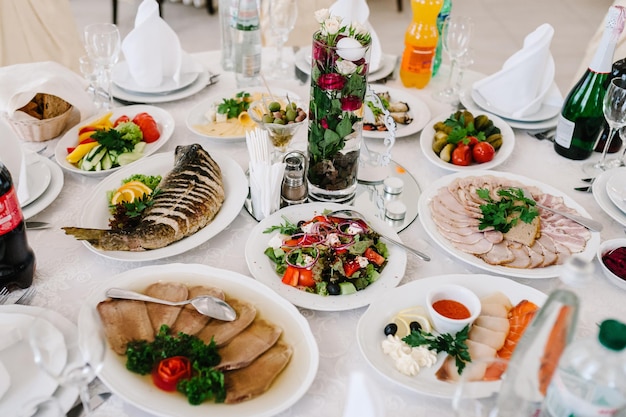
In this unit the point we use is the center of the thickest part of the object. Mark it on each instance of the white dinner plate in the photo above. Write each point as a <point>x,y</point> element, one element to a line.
<point>418,110</point>
<point>163,119</point>
<point>263,269</point>
<point>601,195</point>
<point>51,192</point>
<point>425,217</point>
<point>469,103</point>
<point>197,115</point>
<point>38,177</point>
<point>123,79</point>
<point>96,210</point>
<point>616,190</point>
<point>370,334</point>
<point>28,380</point>
<point>193,88</point>
<point>508,144</point>
<point>289,386</point>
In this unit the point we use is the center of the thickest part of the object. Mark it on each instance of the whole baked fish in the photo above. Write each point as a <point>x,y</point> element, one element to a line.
<point>191,195</point>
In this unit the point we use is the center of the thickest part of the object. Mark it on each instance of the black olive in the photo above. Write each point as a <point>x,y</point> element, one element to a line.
<point>300,223</point>
<point>391,329</point>
<point>415,326</point>
<point>333,288</point>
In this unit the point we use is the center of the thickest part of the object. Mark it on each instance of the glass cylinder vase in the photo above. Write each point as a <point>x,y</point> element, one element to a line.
<point>339,70</point>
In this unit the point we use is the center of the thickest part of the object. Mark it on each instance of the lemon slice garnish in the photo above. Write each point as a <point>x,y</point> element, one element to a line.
<point>403,326</point>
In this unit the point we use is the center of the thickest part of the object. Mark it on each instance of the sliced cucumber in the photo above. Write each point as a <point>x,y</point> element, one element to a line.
<point>347,288</point>
<point>139,147</point>
<point>98,156</point>
<point>93,152</point>
<point>106,161</point>
<point>128,157</point>
<point>85,165</point>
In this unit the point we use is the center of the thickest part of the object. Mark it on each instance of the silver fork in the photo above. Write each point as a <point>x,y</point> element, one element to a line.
<point>26,296</point>
<point>546,134</point>
<point>4,295</point>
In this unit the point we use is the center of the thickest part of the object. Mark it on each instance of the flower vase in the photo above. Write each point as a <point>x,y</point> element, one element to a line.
<point>338,84</point>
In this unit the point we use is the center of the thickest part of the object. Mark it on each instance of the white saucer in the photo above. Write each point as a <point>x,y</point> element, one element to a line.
<point>123,79</point>
<point>38,176</point>
<point>139,98</point>
<point>51,192</point>
<point>616,190</point>
<point>601,196</point>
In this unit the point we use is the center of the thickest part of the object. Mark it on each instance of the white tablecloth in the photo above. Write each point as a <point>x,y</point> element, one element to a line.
<point>67,271</point>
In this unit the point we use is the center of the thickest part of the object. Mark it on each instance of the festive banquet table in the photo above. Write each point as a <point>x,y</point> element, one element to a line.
<point>67,271</point>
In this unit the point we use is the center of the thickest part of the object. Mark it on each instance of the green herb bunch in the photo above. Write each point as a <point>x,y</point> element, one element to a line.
<point>454,346</point>
<point>503,214</point>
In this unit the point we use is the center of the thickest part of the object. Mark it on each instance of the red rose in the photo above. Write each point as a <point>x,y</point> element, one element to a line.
<point>350,103</point>
<point>324,123</point>
<point>332,81</point>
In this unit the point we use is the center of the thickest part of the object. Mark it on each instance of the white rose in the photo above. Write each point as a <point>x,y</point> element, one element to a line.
<point>359,28</point>
<point>332,26</point>
<point>321,15</point>
<point>346,67</point>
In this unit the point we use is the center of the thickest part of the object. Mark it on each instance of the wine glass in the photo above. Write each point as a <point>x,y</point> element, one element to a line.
<point>283,15</point>
<point>456,34</point>
<point>464,62</point>
<point>89,70</point>
<point>102,41</point>
<point>614,108</point>
<point>84,353</point>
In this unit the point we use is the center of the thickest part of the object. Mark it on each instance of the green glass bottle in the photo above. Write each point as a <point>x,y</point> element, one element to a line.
<point>582,119</point>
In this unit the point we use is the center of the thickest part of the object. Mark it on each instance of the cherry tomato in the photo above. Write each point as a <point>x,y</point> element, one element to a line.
<point>462,155</point>
<point>171,370</point>
<point>122,119</point>
<point>483,152</point>
<point>470,140</point>
<point>148,127</point>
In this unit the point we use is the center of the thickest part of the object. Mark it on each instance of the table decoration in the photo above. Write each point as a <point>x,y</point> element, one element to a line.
<point>340,64</point>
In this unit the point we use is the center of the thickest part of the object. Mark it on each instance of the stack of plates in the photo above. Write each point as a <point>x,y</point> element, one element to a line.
<point>609,191</point>
<point>125,87</point>
<point>21,380</point>
<point>45,181</point>
<point>546,117</point>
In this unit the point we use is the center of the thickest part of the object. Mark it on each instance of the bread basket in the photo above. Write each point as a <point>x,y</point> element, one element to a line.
<point>35,130</point>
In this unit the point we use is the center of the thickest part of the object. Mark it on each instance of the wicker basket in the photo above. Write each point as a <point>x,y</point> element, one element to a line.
<point>40,130</point>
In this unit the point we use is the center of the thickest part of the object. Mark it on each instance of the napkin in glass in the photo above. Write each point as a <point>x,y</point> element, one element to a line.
<point>14,158</point>
<point>152,49</point>
<point>526,80</point>
<point>265,177</point>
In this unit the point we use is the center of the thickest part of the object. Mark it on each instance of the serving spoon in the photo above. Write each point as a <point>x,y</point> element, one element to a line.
<point>593,225</point>
<point>356,214</point>
<point>204,304</point>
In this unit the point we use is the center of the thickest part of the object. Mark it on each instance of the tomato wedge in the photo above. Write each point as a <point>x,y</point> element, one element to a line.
<point>148,127</point>
<point>171,370</point>
<point>295,276</point>
<point>122,119</point>
<point>374,256</point>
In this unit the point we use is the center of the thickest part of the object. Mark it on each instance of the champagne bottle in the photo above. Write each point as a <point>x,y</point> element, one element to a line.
<point>581,119</point>
<point>618,71</point>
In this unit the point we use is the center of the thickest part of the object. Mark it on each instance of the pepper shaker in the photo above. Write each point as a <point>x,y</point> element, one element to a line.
<point>294,189</point>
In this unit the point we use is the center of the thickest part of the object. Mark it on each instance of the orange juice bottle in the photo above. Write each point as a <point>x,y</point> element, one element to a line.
<point>420,43</point>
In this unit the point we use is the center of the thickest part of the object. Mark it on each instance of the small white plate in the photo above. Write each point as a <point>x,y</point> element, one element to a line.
<point>601,195</point>
<point>370,334</point>
<point>291,385</point>
<point>193,88</point>
<point>263,269</point>
<point>38,177</point>
<point>197,114</point>
<point>96,210</point>
<point>51,192</point>
<point>616,190</point>
<point>502,154</point>
<point>163,118</point>
<point>123,79</point>
<point>418,110</point>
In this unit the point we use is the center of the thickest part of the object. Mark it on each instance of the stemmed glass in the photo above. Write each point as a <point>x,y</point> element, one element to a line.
<point>90,73</point>
<point>456,34</point>
<point>283,15</point>
<point>614,108</point>
<point>102,41</point>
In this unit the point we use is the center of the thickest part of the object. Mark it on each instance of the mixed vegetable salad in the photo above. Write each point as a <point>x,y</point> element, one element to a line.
<point>327,255</point>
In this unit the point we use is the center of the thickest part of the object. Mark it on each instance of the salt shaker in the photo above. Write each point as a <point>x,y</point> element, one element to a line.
<point>294,188</point>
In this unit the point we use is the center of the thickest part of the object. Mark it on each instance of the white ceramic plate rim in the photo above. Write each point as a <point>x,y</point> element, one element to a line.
<point>470,104</point>
<point>164,121</point>
<point>123,79</point>
<point>502,154</point>
<point>386,67</point>
<point>545,112</point>
<point>194,88</point>
<point>616,190</point>
<point>546,272</point>
<point>38,177</point>
<point>96,214</point>
<point>263,269</point>
<point>602,197</point>
<point>196,114</point>
<point>288,388</point>
<point>418,110</point>
<point>379,313</point>
<point>51,193</point>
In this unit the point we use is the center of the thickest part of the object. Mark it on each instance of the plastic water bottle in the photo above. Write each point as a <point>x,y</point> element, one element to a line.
<point>590,380</point>
<point>227,10</point>
<point>443,15</point>
<point>247,44</point>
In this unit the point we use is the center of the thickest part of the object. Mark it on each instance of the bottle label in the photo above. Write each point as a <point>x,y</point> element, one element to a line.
<point>418,60</point>
<point>10,212</point>
<point>561,402</point>
<point>564,132</point>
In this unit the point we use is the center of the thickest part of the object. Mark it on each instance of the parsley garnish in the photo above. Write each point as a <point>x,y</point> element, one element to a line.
<point>232,107</point>
<point>285,229</point>
<point>113,141</point>
<point>453,345</point>
<point>460,132</point>
<point>501,215</point>
<point>138,205</point>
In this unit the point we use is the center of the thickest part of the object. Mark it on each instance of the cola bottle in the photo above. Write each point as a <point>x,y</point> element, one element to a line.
<point>17,261</point>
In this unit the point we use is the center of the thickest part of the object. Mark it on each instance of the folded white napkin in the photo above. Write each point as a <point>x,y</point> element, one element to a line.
<point>21,82</point>
<point>152,49</point>
<point>358,11</point>
<point>14,158</point>
<point>525,80</point>
<point>265,176</point>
